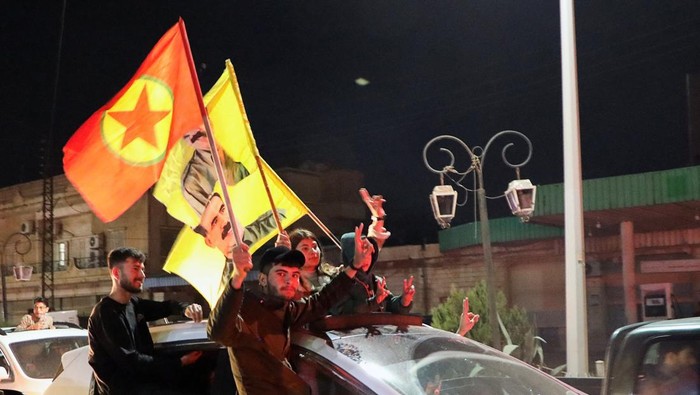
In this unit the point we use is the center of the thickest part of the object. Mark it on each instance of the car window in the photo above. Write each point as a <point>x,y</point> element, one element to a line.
<point>669,367</point>
<point>419,361</point>
<point>323,377</point>
<point>41,358</point>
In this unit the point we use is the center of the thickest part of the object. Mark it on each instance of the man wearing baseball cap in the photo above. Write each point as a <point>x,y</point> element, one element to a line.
<point>256,326</point>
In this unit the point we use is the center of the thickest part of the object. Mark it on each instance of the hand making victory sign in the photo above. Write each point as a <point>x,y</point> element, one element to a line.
<point>408,291</point>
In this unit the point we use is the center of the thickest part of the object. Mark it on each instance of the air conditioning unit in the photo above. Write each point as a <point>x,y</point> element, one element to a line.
<point>593,269</point>
<point>26,227</point>
<point>96,241</point>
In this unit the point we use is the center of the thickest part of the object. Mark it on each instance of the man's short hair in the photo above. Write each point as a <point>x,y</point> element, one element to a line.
<point>120,255</point>
<point>41,299</point>
<point>674,346</point>
<point>280,255</point>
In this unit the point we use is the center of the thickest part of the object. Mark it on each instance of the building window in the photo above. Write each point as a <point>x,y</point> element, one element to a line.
<point>62,252</point>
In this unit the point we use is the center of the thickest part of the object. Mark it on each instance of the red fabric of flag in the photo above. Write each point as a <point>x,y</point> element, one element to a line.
<point>118,153</point>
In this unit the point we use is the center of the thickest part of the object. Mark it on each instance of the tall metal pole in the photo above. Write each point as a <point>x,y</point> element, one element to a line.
<point>488,261</point>
<point>575,261</point>
<point>4,282</point>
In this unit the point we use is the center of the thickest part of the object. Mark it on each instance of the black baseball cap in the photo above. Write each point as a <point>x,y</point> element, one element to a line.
<point>280,255</point>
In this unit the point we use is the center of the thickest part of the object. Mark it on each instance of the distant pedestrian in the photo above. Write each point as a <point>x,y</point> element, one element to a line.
<point>38,319</point>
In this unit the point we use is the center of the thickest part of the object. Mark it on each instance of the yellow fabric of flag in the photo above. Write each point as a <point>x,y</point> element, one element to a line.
<point>189,179</point>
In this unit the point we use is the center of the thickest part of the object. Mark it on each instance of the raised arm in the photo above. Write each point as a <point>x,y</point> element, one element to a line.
<point>376,230</point>
<point>225,321</point>
<point>467,320</point>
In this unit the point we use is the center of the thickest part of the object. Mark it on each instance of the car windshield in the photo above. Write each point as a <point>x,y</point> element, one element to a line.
<point>40,359</point>
<point>421,362</point>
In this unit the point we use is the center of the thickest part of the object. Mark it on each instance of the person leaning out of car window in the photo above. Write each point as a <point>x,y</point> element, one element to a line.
<point>675,373</point>
<point>121,350</point>
<point>38,319</point>
<point>256,325</point>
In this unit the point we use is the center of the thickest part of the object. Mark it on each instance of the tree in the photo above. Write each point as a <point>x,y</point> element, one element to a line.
<point>516,327</point>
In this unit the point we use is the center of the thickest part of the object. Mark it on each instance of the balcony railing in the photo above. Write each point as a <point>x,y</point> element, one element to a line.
<point>59,266</point>
<point>89,263</point>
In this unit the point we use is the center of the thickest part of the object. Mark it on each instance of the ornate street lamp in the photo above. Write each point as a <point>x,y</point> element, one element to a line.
<point>520,196</point>
<point>23,273</point>
<point>443,201</point>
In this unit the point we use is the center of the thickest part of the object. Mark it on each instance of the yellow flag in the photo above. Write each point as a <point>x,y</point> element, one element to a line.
<point>189,188</point>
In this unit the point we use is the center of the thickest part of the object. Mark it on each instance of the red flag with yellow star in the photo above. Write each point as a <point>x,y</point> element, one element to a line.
<point>118,153</point>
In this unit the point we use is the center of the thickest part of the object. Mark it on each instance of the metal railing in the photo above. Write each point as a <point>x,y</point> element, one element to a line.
<point>60,266</point>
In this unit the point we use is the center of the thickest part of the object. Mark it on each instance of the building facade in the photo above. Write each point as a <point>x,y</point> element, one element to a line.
<point>82,241</point>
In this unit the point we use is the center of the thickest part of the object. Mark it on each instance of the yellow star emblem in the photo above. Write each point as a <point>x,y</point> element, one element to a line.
<point>137,127</point>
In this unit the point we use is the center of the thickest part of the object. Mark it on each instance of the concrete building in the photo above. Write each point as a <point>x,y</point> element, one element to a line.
<point>81,241</point>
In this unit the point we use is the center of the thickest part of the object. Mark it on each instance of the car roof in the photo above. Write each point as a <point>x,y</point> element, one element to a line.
<point>179,332</point>
<point>678,324</point>
<point>403,342</point>
<point>9,335</point>
<point>665,328</point>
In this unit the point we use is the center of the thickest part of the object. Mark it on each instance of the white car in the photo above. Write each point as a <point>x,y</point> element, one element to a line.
<point>348,355</point>
<point>30,359</point>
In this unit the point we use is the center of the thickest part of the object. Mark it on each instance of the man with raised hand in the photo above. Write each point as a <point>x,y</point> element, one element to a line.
<point>256,326</point>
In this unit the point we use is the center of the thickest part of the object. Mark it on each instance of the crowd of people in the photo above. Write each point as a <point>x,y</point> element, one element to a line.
<point>296,287</point>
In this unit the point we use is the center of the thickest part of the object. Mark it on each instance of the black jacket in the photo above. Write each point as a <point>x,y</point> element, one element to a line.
<point>121,347</point>
<point>256,328</point>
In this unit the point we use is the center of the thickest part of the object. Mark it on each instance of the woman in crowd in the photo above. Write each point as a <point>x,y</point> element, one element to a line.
<point>315,273</point>
<point>369,294</point>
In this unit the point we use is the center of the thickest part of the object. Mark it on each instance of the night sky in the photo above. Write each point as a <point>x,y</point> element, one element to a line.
<point>468,68</point>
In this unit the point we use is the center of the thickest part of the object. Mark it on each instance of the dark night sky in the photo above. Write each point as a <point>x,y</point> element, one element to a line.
<point>468,68</point>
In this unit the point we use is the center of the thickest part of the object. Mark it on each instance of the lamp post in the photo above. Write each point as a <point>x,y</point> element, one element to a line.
<point>520,196</point>
<point>20,251</point>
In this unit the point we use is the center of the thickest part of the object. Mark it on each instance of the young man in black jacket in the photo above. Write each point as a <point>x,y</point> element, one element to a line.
<point>121,347</point>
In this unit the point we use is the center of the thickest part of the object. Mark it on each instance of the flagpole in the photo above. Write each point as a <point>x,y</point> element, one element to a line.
<point>251,139</point>
<point>325,229</point>
<point>210,135</point>
<point>258,159</point>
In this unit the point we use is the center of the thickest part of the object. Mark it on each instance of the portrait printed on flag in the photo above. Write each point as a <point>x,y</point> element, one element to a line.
<point>198,188</point>
<point>191,191</point>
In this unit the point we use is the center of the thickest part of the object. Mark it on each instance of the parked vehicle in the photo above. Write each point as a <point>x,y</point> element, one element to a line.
<point>211,371</point>
<point>358,354</point>
<point>635,351</point>
<point>30,359</point>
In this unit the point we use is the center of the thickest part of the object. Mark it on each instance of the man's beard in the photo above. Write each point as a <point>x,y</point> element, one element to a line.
<point>272,291</point>
<point>127,286</point>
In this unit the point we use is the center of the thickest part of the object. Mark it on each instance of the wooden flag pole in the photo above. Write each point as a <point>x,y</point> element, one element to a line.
<point>258,159</point>
<point>210,135</point>
<point>256,153</point>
